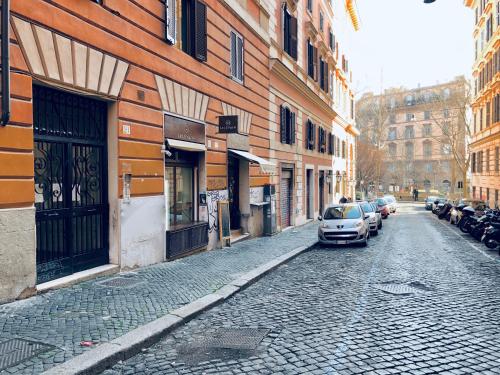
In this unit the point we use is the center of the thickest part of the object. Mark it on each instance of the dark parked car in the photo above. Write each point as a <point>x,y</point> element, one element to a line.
<point>429,201</point>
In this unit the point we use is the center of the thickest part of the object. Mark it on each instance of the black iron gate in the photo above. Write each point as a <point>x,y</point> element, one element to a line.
<point>70,183</point>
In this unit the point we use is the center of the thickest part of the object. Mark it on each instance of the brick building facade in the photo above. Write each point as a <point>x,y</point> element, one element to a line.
<point>485,143</point>
<point>114,157</point>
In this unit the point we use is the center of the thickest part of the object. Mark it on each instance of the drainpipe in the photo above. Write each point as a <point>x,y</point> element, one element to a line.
<point>5,63</point>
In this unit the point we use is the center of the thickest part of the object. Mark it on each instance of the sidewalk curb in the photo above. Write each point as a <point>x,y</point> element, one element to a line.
<point>131,343</point>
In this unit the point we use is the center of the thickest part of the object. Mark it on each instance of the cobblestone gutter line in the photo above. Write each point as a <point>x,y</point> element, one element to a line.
<point>126,346</point>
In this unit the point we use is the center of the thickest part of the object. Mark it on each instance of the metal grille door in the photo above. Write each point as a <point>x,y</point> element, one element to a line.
<point>70,183</point>
<point>286,198</point>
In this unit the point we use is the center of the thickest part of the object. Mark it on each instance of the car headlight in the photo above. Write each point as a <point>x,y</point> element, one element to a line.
<point>324,225</point>
<point>359,224</point>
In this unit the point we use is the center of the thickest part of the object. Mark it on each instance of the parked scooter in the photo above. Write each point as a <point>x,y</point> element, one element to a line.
<point>467,219</point>
<point>445,211</point>
<point>491,237</point>
<point>477,229</point>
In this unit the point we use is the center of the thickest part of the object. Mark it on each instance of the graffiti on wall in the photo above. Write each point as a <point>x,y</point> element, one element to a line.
<point>256,195</point>
<point>212,198</point>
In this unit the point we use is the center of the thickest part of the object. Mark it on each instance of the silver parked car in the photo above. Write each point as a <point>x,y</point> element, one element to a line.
<point>372,221</point>
<point>378,214</point>
<point>391,202</point>
<point>344,224</point>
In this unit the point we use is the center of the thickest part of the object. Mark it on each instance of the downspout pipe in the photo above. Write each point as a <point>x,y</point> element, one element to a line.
<point>5,63</point>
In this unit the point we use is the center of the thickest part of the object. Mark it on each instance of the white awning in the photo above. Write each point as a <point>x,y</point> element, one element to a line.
<point>265,165</point>
<point>187,146</point>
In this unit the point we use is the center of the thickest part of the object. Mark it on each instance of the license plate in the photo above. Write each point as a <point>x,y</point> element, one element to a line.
<point>341,242</point>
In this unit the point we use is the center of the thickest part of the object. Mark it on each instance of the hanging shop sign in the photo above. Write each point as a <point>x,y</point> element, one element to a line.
<point>184,130</point>
<point>228,124</point>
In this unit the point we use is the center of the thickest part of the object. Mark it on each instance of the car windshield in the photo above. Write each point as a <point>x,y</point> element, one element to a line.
<point>389,199</point>
<point>367,207</point>
<point>381,202</point>
<point>431,199</point>
<point>342,212</point>
<point>374,205</point>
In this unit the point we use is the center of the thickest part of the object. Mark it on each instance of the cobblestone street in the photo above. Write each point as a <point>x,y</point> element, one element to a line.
<point>418,300</point>
<point>93,311</point>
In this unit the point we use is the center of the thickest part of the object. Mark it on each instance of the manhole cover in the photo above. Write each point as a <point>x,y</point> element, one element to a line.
<point>225,344</point>
<point>233,338</point>
<point>397,289</point>
<point>15,351</point>
<point>120,282</point>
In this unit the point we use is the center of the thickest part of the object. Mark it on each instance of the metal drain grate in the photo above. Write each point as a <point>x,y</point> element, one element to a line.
<point>234,338</point>
<point>120,282</point>
<point>397,289</point>
<point>225,344</point>
<point>15,351</point>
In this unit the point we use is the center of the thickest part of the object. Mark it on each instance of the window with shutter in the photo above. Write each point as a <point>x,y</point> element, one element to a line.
<point>293,38</point>
<point>200,31</point>
<point>310,59</point>
<point>283,111</point>
<point>315,63</point>
<point>289,33</point>
<point>287,126</point>
<point>171,21</point>
<point>194,29</point>
<point>237,60</point>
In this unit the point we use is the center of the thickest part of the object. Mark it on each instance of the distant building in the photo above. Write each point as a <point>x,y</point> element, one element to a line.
<point>485,143</point>
<point>420,130</point>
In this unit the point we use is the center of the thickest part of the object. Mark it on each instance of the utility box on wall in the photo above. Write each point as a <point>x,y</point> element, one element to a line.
<point>270,222</point>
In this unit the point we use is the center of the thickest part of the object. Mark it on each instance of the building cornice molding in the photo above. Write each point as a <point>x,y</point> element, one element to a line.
<point>246,18</point>
<point>278,68</point>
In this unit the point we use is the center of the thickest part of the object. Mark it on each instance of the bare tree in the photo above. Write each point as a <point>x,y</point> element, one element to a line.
<point>370,164</point>
<point>451,115</point>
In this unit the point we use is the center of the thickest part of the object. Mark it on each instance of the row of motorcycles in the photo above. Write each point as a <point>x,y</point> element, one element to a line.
<point>481,222</point>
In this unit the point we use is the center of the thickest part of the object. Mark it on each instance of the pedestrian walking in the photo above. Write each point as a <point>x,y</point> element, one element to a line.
<point>415,194</point>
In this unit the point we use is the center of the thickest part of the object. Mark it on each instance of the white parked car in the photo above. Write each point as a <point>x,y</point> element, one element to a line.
<point>343,224</point>
<point>391,203</point>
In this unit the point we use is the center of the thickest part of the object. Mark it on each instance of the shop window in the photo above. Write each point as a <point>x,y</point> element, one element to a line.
<point>180,185</point>
<point>287,125</point>
<point>194,29</point>
<point>237,59</point>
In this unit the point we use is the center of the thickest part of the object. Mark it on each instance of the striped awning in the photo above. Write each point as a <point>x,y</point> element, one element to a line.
<point>351,9</point>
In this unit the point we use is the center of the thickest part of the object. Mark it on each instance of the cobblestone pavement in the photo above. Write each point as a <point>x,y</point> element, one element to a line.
<point>417,300</point>
<point>91,311</point>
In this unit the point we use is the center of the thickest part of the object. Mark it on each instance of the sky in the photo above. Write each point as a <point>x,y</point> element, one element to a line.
<point>407,42</point>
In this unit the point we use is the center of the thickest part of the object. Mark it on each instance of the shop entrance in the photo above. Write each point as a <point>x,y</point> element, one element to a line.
<point>71,198</point>
<point>321,187</point>
<point>286,198</point>
<point>233,176</point>
<point>309,193</point>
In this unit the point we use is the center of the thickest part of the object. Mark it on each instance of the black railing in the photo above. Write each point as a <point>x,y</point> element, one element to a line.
<point>185,239</point>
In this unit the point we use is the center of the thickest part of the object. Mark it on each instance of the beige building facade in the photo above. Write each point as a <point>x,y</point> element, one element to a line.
<point>420,130</point>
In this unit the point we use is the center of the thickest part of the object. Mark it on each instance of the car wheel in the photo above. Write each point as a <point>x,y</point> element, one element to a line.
<point>380,225</point>
<point>375,232</point>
